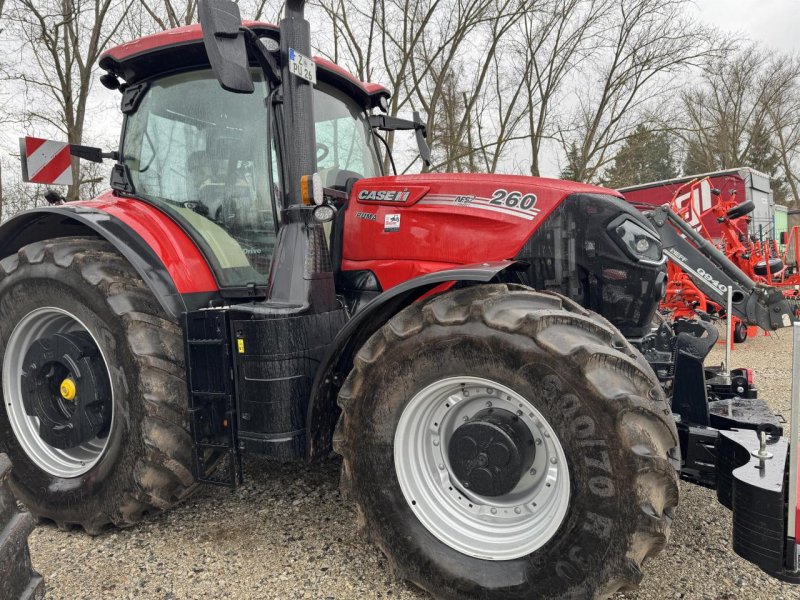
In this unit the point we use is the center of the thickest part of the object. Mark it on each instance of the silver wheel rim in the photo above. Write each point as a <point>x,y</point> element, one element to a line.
<point>69,463</point>
<point>491,528</point>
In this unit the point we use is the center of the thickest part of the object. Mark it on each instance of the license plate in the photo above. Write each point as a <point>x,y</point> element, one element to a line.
<point>302,66</point>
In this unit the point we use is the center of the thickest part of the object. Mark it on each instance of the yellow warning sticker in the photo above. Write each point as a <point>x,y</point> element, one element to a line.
<point>240,345</point>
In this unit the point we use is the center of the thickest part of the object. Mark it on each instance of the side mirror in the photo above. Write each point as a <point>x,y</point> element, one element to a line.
<point>225,44</point>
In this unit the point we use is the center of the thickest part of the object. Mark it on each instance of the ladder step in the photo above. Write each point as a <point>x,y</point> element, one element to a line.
<point>215,453</point>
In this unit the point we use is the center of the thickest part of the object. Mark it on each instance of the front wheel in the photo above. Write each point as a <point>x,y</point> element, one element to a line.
<point>502,443</point>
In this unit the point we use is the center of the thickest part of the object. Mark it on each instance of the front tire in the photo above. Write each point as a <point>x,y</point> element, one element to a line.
<point>74,310</point>
<point>546,367</point>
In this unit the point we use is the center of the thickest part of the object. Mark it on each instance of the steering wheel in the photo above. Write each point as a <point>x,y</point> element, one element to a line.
<point>322,152</point>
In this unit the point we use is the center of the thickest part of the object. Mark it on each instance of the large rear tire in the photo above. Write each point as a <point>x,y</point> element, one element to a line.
<point>112,342</point>
<point>506,363</point>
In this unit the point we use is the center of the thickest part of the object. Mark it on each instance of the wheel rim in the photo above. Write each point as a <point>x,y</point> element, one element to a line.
<point>501,527</point>
<point>41,324</point>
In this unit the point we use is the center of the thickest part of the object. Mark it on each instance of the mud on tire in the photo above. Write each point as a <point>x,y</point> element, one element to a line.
<point>146,464</point>
<point>20,581</point>
<point>597,392</point>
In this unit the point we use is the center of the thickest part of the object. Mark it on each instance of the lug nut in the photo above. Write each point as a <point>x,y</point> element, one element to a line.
<point>553,460</point>
<point>493,511</point>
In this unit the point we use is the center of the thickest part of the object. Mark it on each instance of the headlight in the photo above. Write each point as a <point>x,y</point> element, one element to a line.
<point>637,241</point>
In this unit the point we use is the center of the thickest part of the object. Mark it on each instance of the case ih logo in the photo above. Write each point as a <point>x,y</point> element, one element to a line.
<point>45,161</point>
<point>384,195</point>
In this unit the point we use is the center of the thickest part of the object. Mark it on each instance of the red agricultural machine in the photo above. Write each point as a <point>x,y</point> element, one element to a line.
<point>479,349</point>
<point>758,259</point>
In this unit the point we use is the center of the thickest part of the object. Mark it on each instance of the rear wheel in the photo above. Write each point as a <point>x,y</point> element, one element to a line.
<point>95,417</point>
<point>502,443</point>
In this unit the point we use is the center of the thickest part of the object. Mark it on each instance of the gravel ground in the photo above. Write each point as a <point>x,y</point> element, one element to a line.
<point>287,534</point>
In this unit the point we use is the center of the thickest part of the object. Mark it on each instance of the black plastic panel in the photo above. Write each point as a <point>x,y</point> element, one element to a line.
<point>276,358</point>
<point>573,253</point>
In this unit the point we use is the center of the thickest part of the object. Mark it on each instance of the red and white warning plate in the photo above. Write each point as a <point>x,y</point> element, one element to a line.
<point>45,161</point>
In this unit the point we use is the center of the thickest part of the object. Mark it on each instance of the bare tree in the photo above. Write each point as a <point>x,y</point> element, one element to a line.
<point>168,14</point>
<point>746,111</point>
<point>552,44</point>
<point>61,42</point>
<point>646,43</point>
<point>438,57</point>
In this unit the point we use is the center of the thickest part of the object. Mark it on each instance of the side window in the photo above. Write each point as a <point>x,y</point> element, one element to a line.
<point>201,154</point>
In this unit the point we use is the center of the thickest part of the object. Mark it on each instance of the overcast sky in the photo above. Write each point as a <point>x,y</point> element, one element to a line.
<point>773,22</point>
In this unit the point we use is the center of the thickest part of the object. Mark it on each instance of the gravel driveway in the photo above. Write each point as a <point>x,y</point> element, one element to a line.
<point>287,534</point>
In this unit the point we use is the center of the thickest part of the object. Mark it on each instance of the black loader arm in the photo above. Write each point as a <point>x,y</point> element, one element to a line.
<point>714,273</point>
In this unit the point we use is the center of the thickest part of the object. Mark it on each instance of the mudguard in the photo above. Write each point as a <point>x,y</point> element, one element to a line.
<point>176,273</point>
<point>336,364</point>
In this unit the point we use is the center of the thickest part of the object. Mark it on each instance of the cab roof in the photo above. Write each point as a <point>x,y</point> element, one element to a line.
<point>182,49</point>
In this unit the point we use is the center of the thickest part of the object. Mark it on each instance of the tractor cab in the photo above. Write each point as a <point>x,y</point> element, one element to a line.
<point>213,160</point>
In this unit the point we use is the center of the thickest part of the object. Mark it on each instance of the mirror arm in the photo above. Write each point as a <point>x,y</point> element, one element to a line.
<point>387,123</point>
<point>265,60</point>
<point>422,142</point>
<point>91,153</point>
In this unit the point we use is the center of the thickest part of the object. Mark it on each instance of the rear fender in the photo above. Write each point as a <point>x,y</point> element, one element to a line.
<point>338,360</point>
<point>158,272</point>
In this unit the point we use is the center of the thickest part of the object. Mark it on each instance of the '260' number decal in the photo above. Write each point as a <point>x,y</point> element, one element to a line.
<point>513,199</point>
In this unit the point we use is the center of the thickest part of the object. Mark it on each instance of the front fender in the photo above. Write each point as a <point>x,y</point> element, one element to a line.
<point>338,360</point>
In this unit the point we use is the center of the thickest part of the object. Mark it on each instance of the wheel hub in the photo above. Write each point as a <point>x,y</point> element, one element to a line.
<point>481,468</point>
<point>490,452</point>
<point>64,383</point>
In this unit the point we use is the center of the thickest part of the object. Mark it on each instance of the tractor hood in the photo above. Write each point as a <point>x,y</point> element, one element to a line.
<point>582,241</point>
<point>424,223</point>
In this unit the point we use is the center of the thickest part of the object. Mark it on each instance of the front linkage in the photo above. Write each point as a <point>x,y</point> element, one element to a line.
<point>730,440</point>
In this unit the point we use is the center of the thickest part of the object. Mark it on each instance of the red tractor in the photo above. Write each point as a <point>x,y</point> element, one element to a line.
<point>471,345</point>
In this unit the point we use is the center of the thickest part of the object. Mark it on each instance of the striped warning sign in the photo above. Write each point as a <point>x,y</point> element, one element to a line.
<point>45,161</point>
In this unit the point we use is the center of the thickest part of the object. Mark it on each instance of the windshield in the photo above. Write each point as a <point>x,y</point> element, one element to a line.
<point>199,153</point>
<point>344,140</point>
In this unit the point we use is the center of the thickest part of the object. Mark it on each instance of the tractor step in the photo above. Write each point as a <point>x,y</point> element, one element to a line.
<point>212,399</point>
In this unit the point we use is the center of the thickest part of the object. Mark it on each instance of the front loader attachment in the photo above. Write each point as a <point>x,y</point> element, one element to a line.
<point>715,274</point>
